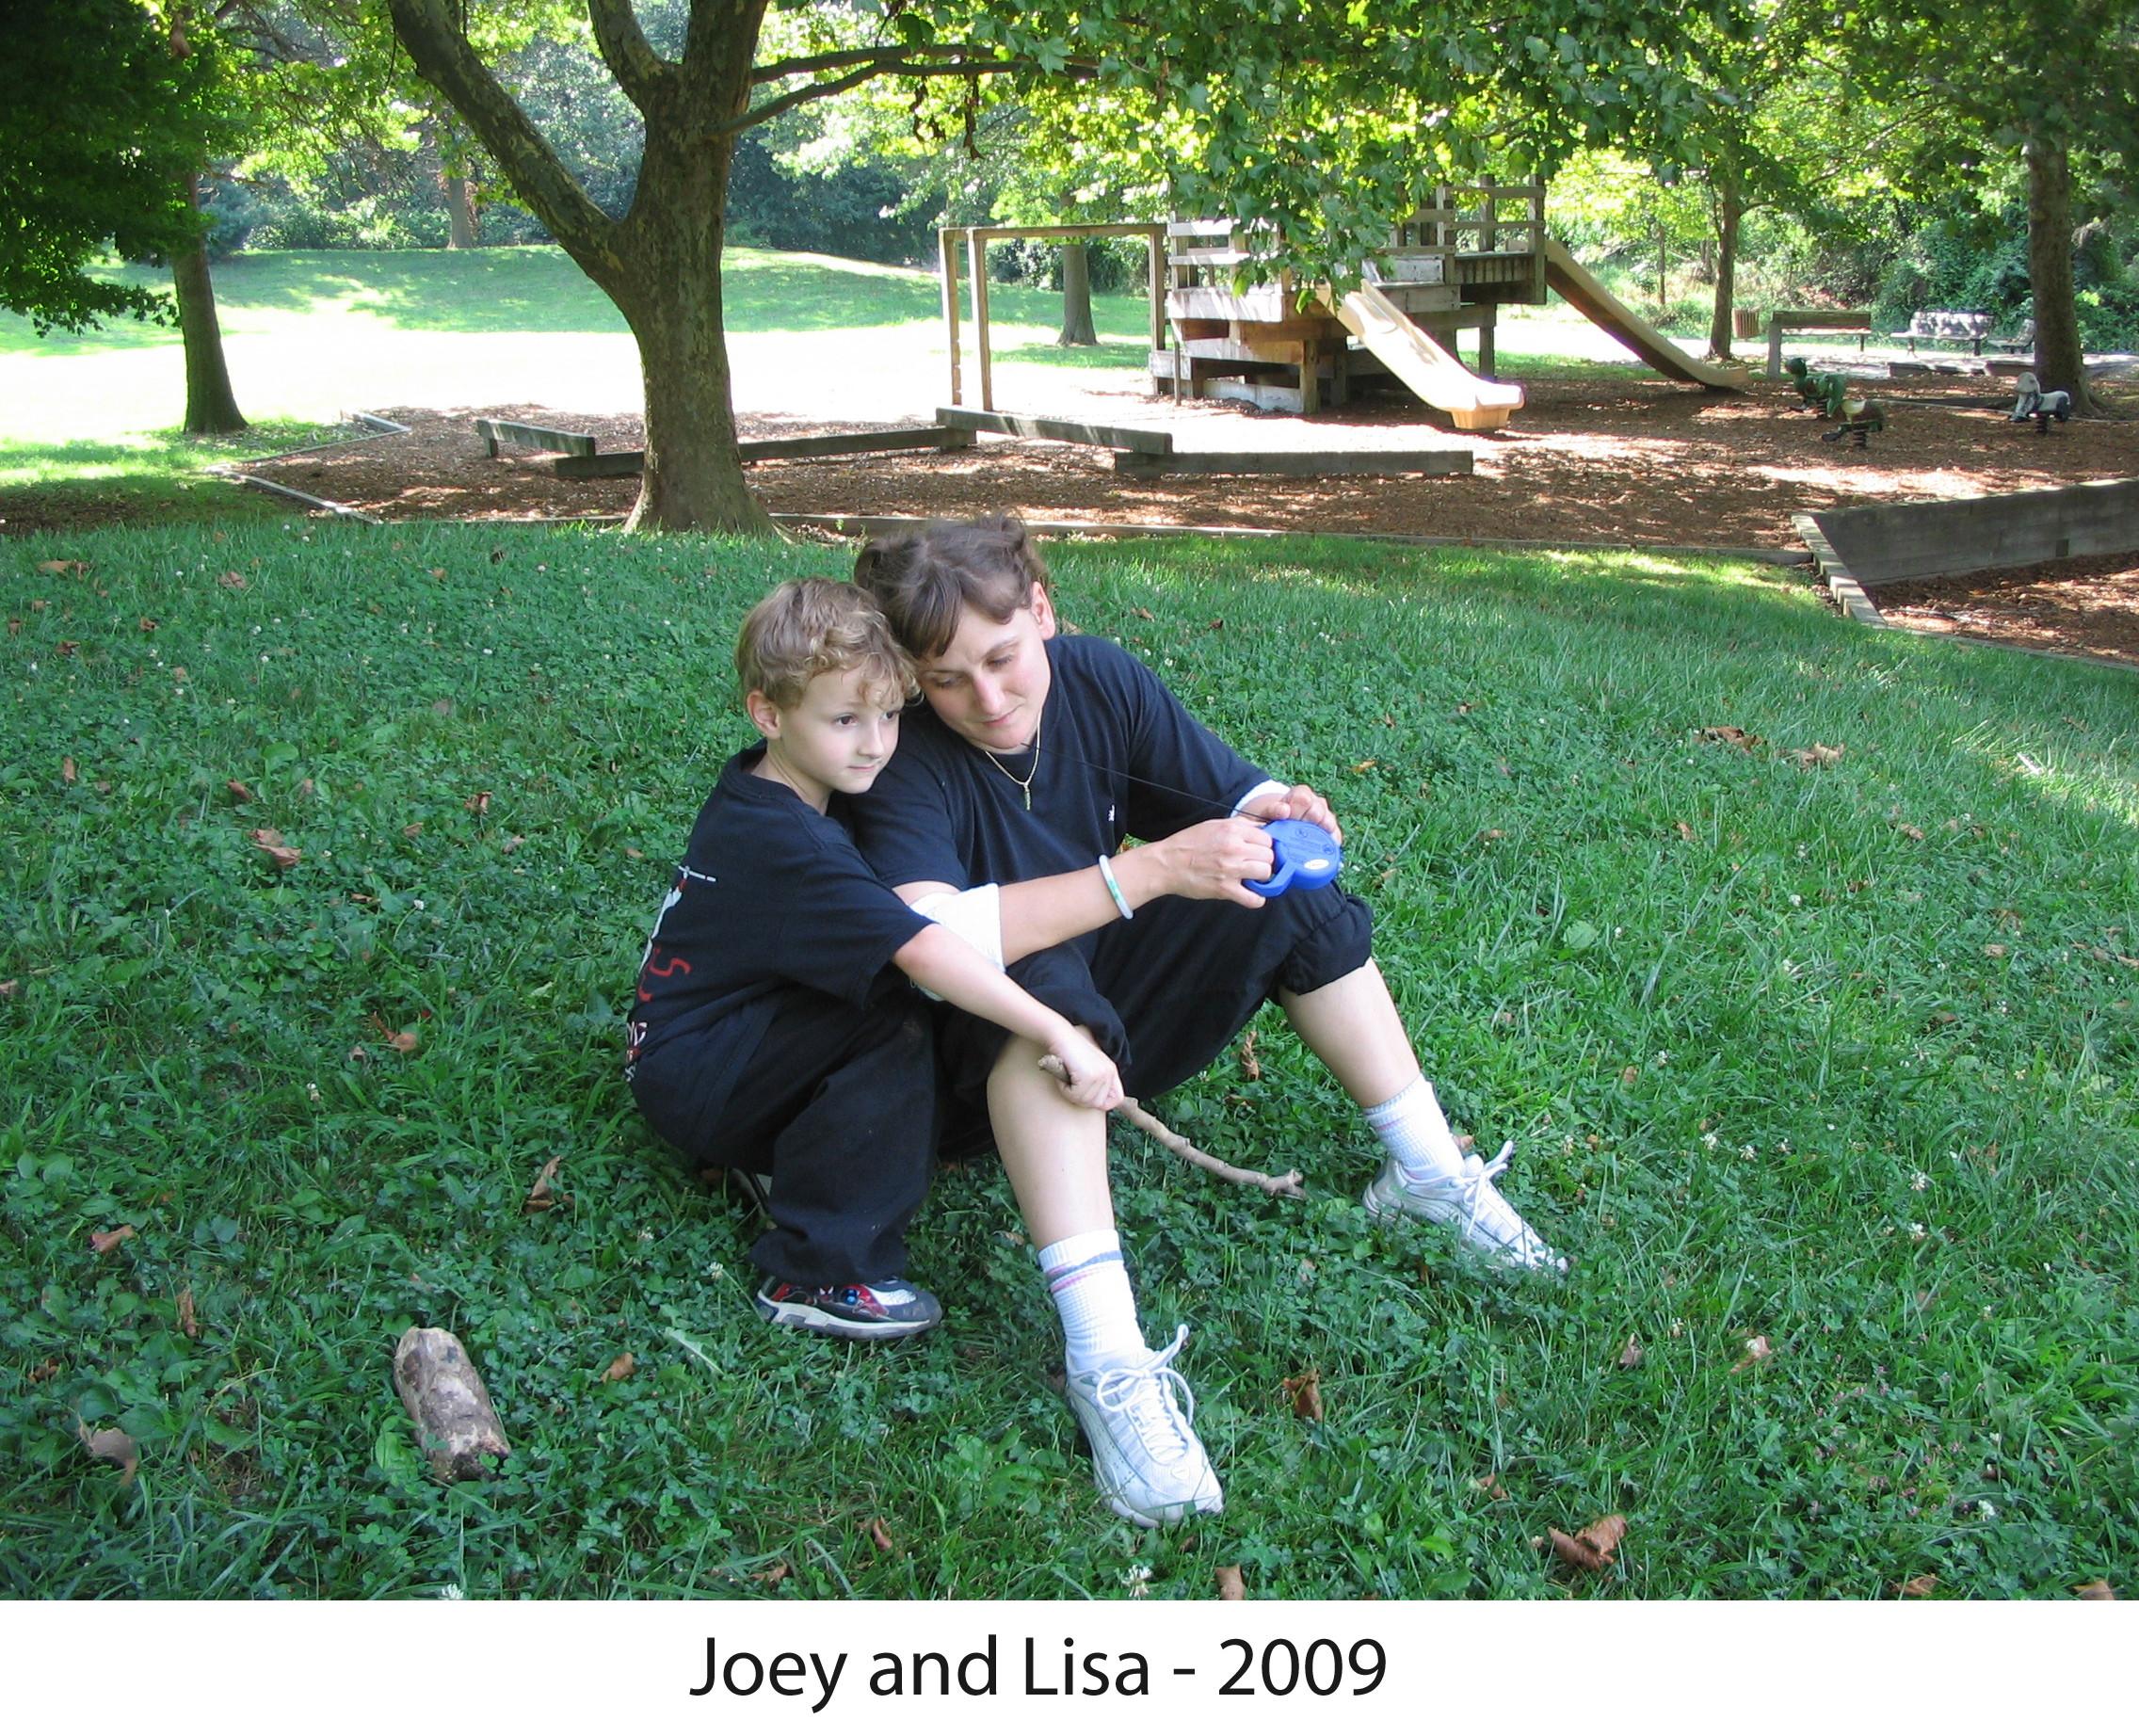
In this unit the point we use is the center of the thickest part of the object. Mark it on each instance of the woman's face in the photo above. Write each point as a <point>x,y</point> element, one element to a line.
<point>991,682</point>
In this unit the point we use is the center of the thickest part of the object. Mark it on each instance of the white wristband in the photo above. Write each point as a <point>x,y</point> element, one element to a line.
<point>1114,889</point>
<point>1269,786</point>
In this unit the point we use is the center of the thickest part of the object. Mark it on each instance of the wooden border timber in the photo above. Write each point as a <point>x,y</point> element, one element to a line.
<point>527,434</point>
<point>978,237</point>
<point>1848,594</point>
<point>1042,428</point>
<point>1446,462</point>
<point>580,467</point>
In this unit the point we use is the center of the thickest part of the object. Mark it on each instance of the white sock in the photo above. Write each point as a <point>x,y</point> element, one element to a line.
<point>1090,1287</point>
<point>1416,1133</point>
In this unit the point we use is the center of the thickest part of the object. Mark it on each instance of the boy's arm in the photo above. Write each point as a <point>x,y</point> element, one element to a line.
<point>944,965</point>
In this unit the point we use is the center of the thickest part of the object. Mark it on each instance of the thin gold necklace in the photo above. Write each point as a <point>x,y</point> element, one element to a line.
<point>1024,783</point>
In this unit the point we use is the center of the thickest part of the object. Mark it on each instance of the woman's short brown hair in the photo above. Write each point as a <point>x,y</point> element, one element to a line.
<point>925,580</point>
<point>811,627</point>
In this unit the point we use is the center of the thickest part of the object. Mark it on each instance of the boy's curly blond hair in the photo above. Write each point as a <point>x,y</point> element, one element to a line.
<point>811,627</point>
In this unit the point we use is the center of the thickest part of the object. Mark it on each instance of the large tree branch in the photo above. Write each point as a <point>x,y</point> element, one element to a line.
<point>448,62</point>
<point>892,65</point>
<point>638,69</point>
<point>856,56</point>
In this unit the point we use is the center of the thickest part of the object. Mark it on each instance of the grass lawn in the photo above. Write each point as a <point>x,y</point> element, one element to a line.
<point>1835,1060</point>
<point>310,335</point>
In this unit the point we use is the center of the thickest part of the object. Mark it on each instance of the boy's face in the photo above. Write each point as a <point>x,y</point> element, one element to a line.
<point>836,737</point>
<point>991,682</point>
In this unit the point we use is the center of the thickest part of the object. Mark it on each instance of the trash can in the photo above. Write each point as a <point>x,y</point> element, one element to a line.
<point>1744,322</point>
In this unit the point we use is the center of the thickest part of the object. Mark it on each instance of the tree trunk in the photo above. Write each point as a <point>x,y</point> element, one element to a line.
<point>660,262</point>
<point>2058,361</point>
<point>1076,297</point>
<point>211,407</point>
<point>1730,208</point>
<point>460,211</point>
<point>669,290</point>
<point>1663,273</point>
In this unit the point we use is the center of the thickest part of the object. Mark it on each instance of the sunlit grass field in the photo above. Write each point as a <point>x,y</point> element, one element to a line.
<point>1822,1070</point>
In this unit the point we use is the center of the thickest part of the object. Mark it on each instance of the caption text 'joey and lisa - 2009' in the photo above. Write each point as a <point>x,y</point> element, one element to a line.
<point>1321,1669</point>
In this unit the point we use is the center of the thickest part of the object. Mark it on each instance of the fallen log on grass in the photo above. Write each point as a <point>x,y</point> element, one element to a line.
<point>456,1425</point>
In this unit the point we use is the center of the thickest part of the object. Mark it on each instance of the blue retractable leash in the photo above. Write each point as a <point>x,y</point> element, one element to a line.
<point>1307,856</point>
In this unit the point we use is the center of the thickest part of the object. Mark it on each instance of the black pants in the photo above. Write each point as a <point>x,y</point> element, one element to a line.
<point>1163,993</point>
<point>838,1105</point>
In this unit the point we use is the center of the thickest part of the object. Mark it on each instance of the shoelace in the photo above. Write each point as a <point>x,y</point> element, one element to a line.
<point>1475,1174</point>
<point>1124,1391</point>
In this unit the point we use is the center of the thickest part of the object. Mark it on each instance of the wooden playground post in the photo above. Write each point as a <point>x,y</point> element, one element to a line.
<point>947,248</point>
<point>976,263</point>
<point>1154,245</point>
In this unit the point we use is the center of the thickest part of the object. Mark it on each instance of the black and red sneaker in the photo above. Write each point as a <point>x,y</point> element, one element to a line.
<point>893,1309</point>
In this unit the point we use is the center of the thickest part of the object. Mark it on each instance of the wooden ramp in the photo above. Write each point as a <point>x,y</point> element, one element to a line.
<point>1600,306</point>
<point>1431,371</point>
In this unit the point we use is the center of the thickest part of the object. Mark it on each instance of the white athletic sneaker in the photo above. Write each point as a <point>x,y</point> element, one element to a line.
<point>1470,1202</point>
<point>1149,1464</point>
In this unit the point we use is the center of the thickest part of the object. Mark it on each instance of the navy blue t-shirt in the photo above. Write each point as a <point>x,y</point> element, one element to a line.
<point>771,892</point>
<point>1118,757</point>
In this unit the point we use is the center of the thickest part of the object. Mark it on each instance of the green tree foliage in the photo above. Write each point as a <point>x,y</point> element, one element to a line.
<point>2040,80</point>
<point>105,116</point>
<point>1326,119</point>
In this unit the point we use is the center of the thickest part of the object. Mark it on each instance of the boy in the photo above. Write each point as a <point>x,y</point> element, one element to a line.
<point>771,1035</point>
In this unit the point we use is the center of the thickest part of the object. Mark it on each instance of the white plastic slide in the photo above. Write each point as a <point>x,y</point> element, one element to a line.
<point>1600,306</point>
<point>1429,369</point>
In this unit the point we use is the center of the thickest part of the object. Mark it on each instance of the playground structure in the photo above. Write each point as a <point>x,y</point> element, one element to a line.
<point>1449,268</point>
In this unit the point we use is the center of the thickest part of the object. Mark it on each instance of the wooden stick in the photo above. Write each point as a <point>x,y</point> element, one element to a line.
<point>456,1425</point>
<point>1137,1115</point>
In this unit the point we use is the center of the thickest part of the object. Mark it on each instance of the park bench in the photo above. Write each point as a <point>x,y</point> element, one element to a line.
<point>1936,326</point>
<point>1813,319</point>
<point>2024,339</point>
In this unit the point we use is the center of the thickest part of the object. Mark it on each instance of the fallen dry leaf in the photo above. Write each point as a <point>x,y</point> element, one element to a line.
<point>478,804</point>
<point>1593,1546</point>
<point>1366,765</point>
<point>1250,1069</point>
<point>63,566</point>
<point>540,1197</point>
<point>1819,753</point>
<point>621,1368</point>
<point>1142,614</point>
<point>1685,832</point>
<point>67,769</point>
<point>773,1575</point>
<point>306,787</point>
<point>1629,1075</point>
<point>178,674</point>
<point>1305,1390</point>
<point>879,1534</point>
<point>1631,1356</point>
<point>1757,1350</point>
<point>115,1446</point>
<point>67,648</point>
<point>637,856</point>
<point>231,580</point>
<point>1489,1485</point>
<point>404,1042</point>
<point>268,840</point>
<point>1907,831</point>
<point>188,1321</point>
<point>1730,735</point>
<point>8,989</point>
<point>1997,949</point>
<point>1923,1585</point>
<point>2095,1591</point>
<point>513,843</point>
<point>1230,1590</point>
<point>1494,836</point>
<point>148,625</point>
<point>43,1371</point>
<point>104,1241</point>
<point>437,573</point>
<point>238,791</point>
<point>444,707</point>
<point>414,828</point>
